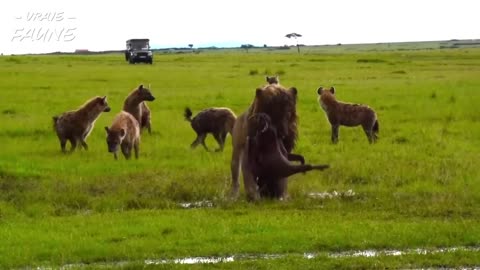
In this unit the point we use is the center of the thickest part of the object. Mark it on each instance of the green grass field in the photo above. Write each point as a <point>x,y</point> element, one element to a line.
<point>418,187</point>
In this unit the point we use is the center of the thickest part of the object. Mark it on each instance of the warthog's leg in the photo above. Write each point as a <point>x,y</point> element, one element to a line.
<point>296,157</point>
<point>289,170</point>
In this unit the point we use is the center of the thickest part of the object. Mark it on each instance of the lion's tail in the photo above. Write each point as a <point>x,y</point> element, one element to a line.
<point>188,114</point>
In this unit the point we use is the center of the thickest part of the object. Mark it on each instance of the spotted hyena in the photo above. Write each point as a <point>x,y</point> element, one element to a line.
<point>347,114</point>
<point>272,79</point>
<point>135,105</point>
<point>218,121</point>
<point>75,126</point>
<point>124,133</point>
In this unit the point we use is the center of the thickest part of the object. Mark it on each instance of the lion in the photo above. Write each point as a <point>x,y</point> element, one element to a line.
<point>347,114</point>
<point>268,158</point>
<point>279,104</point>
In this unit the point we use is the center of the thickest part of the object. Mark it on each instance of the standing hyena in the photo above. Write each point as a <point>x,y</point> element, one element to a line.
<point>75,126</point>
<point>347,114</point>
<point>135,105</point>
<point>124,132</point>
<point>273,79</point>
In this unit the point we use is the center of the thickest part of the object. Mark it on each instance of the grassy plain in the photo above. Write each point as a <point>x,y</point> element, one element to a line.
<point>418,187</point>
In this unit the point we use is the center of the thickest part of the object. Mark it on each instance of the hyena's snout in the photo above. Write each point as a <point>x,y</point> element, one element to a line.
<point>107,109</point>
<point>112,148</point>
<point>151,98</point>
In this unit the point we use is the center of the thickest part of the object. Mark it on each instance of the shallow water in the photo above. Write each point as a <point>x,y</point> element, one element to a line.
<point>199,204</point>
<point>331,195</point>
<point>314,195</point>
<point>257,257</point>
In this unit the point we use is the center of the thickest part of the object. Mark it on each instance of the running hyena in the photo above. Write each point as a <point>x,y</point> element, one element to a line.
<point>75,126</point>
<point>217,121</point>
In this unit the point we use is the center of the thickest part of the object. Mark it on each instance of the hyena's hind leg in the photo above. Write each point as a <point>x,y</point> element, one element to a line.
<point>149,127</point>
<point>200,140</point>
<point>63,144</point>
<point>84,144</point>
<point>73,142</point>
<point>376,130</point>
<point>369,131</point>
<point>220,138</point>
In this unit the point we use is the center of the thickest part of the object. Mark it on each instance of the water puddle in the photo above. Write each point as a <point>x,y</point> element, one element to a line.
<point>256,257</point>
<point>315,195</point>
<point>199,204</point>
<point>192,260</point>
<point>330,195</point>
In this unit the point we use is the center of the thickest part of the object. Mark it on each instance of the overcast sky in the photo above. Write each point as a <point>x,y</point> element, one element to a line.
<point>47,26</point>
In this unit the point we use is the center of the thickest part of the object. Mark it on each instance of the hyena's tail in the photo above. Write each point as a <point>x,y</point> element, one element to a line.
<point>188,114</point>
<point>55,121</point>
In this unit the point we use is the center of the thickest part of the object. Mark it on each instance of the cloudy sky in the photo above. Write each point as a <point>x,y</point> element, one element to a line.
<point>46,26</point>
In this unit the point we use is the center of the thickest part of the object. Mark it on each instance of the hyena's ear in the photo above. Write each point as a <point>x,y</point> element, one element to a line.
<point>294,91</point>
<point>320,90</point>
<point>332,90</point>
<point>104,99</point>
<point>140,87</point>
<point>122,132</point>
<point>258,92</point>
<point>106,129</point>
